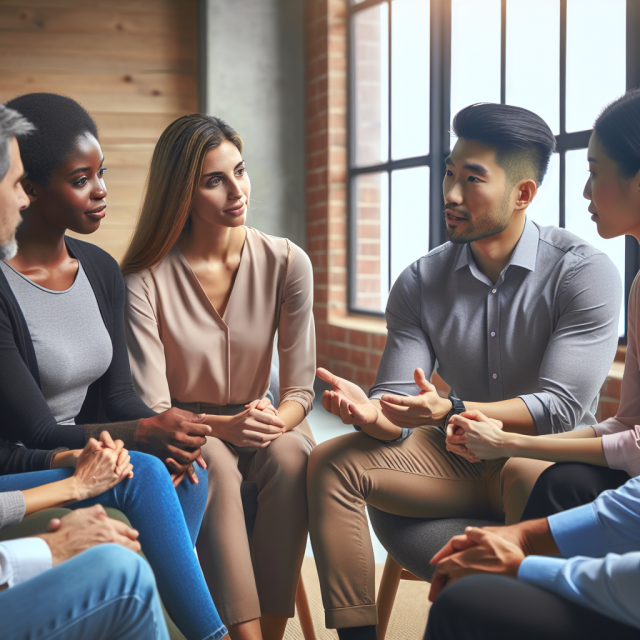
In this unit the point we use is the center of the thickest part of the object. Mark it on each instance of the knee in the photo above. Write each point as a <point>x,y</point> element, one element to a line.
<point>289,455</point>
<point>120,564</point>
<point>145,465</point>
<point>557,479</point>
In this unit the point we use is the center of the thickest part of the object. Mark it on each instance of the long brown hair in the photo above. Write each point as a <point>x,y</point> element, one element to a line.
<point>176,167</point>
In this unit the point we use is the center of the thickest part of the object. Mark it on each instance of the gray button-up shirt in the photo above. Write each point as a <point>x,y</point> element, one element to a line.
<point>545,332</point>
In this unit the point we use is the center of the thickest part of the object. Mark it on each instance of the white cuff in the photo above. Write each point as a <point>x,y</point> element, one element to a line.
<point>23,559</point>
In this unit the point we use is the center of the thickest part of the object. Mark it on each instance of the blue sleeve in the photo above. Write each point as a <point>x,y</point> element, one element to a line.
<point>610,524</point>
<point>609,585</point>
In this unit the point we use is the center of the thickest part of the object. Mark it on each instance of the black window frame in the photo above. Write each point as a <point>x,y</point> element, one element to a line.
<point>440,118</point>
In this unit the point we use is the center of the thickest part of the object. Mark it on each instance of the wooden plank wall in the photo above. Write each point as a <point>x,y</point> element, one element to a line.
<point>131,63</point>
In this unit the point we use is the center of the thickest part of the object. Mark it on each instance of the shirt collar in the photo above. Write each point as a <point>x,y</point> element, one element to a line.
<point>524,255</point>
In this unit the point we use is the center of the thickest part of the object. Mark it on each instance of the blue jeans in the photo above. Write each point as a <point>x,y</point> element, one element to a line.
<point>156,509</point>
<point>105,593</point>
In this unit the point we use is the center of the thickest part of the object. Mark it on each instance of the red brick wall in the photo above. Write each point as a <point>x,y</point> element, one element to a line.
<point>353,353</point>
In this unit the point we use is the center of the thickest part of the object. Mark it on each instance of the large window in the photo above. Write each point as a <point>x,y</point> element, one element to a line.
<point>414,63</point>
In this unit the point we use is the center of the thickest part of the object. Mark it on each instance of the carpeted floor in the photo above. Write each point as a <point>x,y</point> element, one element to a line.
<point>408,620</point>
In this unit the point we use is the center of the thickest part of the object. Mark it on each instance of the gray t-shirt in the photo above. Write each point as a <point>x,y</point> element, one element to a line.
<point>72,345</point>
<point>545,332</point>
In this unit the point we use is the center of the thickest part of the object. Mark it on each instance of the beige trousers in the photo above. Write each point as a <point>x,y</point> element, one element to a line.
<point>247,578</point>
<point>416,477</point>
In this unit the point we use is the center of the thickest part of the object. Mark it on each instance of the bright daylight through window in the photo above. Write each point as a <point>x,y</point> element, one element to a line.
<point>480,52</point>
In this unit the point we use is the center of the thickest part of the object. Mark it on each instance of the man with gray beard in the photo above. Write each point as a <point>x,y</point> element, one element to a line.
<point>13,199</point>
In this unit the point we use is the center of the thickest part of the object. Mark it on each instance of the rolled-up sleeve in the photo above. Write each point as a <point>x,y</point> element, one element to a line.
<point>609,524</point>
<point>296,332</point>
<point>23,559</point>
<point>582,347</point>
<point>607,585</point>
<point>408,346</point>
<point>146,351</point>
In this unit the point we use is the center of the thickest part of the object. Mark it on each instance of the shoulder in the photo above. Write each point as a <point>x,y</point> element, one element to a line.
<point>569,246</point>
<point>92,256</point>
<point>581,265</point>
<point>439,263</point>
<point>279,250</point>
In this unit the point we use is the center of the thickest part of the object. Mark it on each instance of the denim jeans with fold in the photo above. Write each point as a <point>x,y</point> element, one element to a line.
<point>168,521</point>
<point>105,593</point>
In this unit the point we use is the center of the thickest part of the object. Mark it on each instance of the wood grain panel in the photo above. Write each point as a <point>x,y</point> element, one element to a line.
<point>131,63</point>
<point>96,20</point>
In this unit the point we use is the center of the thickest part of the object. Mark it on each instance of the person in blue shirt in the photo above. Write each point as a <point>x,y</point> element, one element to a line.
<point>575,574</point>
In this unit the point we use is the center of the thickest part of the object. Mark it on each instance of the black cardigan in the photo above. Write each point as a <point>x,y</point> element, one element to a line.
<point>24,414</point>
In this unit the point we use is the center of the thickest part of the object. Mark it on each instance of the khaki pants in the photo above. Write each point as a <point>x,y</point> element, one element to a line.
<point>241,589</point>
<point>416,477</point>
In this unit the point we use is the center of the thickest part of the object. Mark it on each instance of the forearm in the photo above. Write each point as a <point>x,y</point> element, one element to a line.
<point>383,428</point>
<point>513,414</point>
<point>216,423</point>
<point>54,494</point>
<point>291,413</point>
<point>66,459</point>
<point>551,449</point>
<point>537,538</point>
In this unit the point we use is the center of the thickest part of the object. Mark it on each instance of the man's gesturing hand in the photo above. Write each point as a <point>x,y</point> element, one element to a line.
<point>347,400</point>
<point>415,411</point>
<point>86,528</point>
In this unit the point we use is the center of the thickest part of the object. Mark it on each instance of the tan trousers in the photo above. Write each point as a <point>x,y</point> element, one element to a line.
<point>247,578</point>
<point>416,477</point>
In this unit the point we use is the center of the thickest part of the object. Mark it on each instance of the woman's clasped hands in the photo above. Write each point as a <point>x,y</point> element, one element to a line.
<point>100,466</point>
<point>257,426</point>
<point>475,437</point>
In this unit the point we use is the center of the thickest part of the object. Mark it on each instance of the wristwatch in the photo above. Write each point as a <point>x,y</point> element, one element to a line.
<point>457,407</point>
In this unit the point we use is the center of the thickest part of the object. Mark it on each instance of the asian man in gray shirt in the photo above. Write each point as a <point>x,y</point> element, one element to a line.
<point>520,320</point>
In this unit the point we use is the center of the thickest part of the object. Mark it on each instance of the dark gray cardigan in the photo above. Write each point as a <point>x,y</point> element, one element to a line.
<point>24,414</point>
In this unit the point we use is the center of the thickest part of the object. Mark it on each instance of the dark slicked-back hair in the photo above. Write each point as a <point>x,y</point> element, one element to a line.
<point>12,125</point>
<point>59,122</point>
<point>522,139</point>
<point>618,127</point>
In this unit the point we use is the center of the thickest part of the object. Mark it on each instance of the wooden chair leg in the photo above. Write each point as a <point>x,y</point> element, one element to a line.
<point>304,612</point>
<point>387,594</point>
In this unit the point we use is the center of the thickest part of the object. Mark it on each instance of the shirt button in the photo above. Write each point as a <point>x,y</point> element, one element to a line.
<point>493,334</point>
<point>495,375</point>
<point>493,290</point>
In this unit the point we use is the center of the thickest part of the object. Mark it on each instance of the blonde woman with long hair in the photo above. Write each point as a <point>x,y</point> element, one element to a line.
<point>205,297</point>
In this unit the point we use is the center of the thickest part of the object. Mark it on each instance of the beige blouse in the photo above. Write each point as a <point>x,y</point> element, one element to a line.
<point>181,349</point>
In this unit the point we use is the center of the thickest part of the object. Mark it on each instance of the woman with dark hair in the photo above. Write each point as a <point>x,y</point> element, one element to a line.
<point>604,455</point>
<point>64,363</point>
<point>205,297</point>
<point>52,375</point>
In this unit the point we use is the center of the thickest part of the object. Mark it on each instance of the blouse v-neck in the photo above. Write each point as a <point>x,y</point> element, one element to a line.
<point>182,350</point>
<point>234,281</point>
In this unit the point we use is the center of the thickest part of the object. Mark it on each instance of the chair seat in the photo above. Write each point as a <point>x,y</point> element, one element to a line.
<point>412,542</point>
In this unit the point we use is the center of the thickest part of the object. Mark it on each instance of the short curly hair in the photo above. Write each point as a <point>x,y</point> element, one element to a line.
<point>59,121</point>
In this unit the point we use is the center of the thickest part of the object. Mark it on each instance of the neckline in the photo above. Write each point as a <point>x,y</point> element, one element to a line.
<point>203,293</point>
<point>38,286</point>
